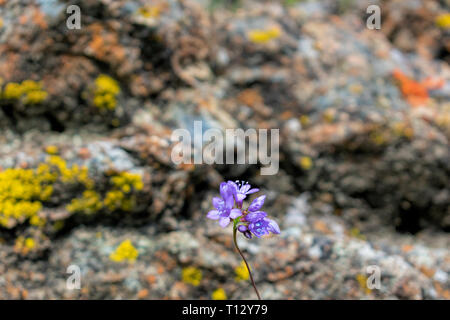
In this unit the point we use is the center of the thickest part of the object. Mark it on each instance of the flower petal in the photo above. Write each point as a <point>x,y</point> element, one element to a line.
<point>245,188</point>
<point>273,226</point>
<point>252,191</point>
<point>213,214</point>
<point>240,197</point>
<point>227,193</point>
<point>248,234</point>
<point>255,216</point>
<point>234,213</point>
<point>233,186</point>
<point>257,203</point>
<point>242,228</point>
<point>217,202</point>
<point>224,222</point>
<point>224,190</point>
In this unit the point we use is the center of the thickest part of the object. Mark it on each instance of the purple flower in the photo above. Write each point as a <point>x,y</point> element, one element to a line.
<point>224,211</point>
<point>252,221</point>
<point>243,228</point>
<point>241,190</point>
<point>257,203</point>
<point>259,224</point>
<point>264,226</point>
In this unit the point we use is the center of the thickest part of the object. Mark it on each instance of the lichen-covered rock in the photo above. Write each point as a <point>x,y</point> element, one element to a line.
<point>87,179</point>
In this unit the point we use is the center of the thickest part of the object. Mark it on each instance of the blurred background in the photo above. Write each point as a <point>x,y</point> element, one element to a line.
<point>93,207</point>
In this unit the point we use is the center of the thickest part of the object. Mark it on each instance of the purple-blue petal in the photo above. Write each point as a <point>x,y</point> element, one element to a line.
<point>251,191</point>
<point>248,234</point>
<point>234,213</point>
<point>273,226</point>
<point>242,228</point>
<point>259,228</point>
<point>224,222</point>
<point>240,197</point>
<point>217,202</point>
<point>233,186</point>
<point>255,216</point>
<point>257,203</point>
<point>225,190</point>
<point>245,188</point>
<point>213,214</point>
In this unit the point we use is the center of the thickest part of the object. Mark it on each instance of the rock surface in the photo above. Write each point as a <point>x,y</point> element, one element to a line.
<point>364,120</point>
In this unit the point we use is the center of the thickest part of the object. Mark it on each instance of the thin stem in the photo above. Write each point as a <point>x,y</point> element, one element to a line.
<point>246,264</point>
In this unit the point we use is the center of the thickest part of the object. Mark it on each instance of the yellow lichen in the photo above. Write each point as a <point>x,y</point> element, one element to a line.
<point>58,225</point>
<point>53,150</point>
<point>241,272</point>
<point>115,199</point>
<point>304,120</point>
<point>37,221</point>
<point>23,191</point>
<point>127,180</point>
<point>306,163</point>
<point>263,36</point>
<point>125,251</point>
<point>73,174</point>
<point>362,281</point>
<point>120,196</point>
<point>403,130</point>
<point>89,203</point>
<point>219,294</point>
<point>355,232</point>
<point>378,138</point>
<point>29,91</point>
<point>443,20</point>
<point>149,12</point>
<point>12,91</point>
<point>191,275</point>
<point>24,245</point>
<point>329,116</point>
<point>105,93</point>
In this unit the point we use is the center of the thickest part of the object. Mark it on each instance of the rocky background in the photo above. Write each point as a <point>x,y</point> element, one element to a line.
<point>86,176</point>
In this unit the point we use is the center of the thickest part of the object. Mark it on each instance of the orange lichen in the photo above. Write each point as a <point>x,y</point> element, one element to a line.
<point>250,97</point>
<point>414,92</point>
<point>105,44</point>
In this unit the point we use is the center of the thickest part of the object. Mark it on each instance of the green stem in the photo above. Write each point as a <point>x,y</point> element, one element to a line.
<point>243,258</point>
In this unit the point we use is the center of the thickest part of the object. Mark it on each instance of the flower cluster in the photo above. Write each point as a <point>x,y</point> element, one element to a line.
<point>248,221</point>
